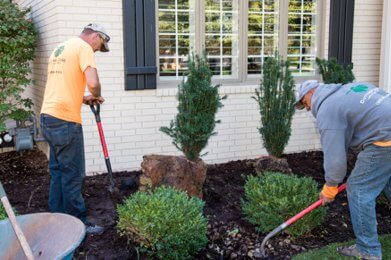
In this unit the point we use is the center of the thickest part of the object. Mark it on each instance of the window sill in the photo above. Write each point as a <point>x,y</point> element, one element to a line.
<point>170,88</point>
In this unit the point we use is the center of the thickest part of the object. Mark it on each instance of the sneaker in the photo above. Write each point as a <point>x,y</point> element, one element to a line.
<point>94,229</point>
<point>353,251</point>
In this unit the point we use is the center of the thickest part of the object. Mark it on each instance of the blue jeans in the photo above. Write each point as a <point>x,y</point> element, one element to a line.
<point>66,166</point>
<point>370,176</point>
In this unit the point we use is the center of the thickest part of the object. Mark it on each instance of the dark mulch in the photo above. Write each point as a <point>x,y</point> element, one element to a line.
<point>26,181</point>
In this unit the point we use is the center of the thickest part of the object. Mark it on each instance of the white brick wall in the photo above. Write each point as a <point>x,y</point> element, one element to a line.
<point>131,119</point>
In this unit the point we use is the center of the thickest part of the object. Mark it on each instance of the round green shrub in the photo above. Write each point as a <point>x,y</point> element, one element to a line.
<point>166,222</point>
<point>272,198</point>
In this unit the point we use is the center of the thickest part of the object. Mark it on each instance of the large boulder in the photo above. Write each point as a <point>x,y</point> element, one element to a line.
<point>174,171</point>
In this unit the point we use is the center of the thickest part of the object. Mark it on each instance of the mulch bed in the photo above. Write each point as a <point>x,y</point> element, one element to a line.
<point>26,180</point>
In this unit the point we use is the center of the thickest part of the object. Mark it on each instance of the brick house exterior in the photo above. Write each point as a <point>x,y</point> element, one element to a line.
<point>131,119</point>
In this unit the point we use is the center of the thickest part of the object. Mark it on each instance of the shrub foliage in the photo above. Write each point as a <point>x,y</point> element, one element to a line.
<point>332,72</point>
<point>166,222</point>
<point>3,214</point>
<point>17,45</point>
<point>272,198</point>
<point>276,97</point>
<point>198,101</point>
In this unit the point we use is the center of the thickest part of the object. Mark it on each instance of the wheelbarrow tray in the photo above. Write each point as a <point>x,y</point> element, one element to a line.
<point>50,236</point>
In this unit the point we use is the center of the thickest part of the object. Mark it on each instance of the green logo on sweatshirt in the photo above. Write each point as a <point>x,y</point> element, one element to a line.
<point>358,89</point>
<point>58,51</point>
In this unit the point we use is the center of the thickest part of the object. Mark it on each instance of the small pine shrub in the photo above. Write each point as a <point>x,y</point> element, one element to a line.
<point>166,222</point>
<point>198,101</point>
<point>272,198</point>
<point>332,72</point>
<point>275,97</point>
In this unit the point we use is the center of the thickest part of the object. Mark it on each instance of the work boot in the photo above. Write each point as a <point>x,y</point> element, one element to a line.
<point>93,229</point>
<point>353,251</point>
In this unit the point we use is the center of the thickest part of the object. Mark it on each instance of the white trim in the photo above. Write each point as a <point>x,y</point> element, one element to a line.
<point>385,56</point>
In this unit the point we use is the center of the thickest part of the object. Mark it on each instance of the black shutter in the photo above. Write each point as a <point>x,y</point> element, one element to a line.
<point>139,44</point>
<point>341,30</point>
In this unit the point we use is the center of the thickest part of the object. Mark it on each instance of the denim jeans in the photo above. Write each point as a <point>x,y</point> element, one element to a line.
<point>370,176</point>
<point>66,166</point>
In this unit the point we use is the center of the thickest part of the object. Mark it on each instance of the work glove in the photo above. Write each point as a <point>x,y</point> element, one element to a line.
<point>328,193</point>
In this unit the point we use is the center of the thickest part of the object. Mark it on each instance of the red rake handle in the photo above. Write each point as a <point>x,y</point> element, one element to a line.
<point>310,208</point>
<point>294,219</point>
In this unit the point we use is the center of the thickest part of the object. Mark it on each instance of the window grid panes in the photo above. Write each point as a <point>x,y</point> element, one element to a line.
<point>221,36</point>
<point>302,36</point>
<point>217,25</point>
<point>262,33</point>
<point>176,36</point>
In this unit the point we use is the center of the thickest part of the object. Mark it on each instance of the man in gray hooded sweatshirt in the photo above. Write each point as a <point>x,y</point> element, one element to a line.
<point>355,116</point>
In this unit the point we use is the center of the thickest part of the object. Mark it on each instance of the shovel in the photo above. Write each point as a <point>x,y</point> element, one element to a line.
<point>293,220</point>
<point>18,231</point>
<point>111,184</point>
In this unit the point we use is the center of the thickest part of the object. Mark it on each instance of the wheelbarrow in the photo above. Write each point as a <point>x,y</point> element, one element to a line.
<point>38,235</point>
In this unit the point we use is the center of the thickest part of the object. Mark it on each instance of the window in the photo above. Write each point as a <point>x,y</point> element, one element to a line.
<point>262,31</point>
<point>176,27</point>
<point>302,36</point>
<point>237,35</point>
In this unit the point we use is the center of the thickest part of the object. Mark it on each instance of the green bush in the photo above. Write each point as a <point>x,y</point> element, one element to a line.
<point>276,97</point>
<point>198,101</point>
<point>165,222</point>
<point>332,72</point>
<point>3,214</point>
<point>272,198</point>
<point>17,45</point>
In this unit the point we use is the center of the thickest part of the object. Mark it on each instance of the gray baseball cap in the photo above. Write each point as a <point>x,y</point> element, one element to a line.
<point>97,27</point>
<point>303,90</point>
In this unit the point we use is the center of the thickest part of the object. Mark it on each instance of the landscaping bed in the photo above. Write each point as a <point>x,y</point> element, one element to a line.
<point>26,180</point>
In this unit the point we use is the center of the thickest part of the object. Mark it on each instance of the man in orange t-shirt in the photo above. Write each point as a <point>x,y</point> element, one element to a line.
<point>71,67</point>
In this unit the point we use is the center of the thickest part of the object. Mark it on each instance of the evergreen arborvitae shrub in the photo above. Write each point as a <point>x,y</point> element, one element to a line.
<point>198,101</point>
<point>276,98</point>
<point>332,72</point>
<point>272,198</point>
<point>166,222</point>
<point>17,46</point>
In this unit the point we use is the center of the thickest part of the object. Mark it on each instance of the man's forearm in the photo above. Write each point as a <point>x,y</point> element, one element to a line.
<point>96,90</point>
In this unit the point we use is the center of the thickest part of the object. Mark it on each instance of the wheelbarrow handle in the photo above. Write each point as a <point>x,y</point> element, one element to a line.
<point>18,231</point>
<point>2,191</point>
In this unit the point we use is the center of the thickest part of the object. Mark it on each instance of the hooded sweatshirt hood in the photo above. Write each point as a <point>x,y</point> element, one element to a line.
<point>323,91</point>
